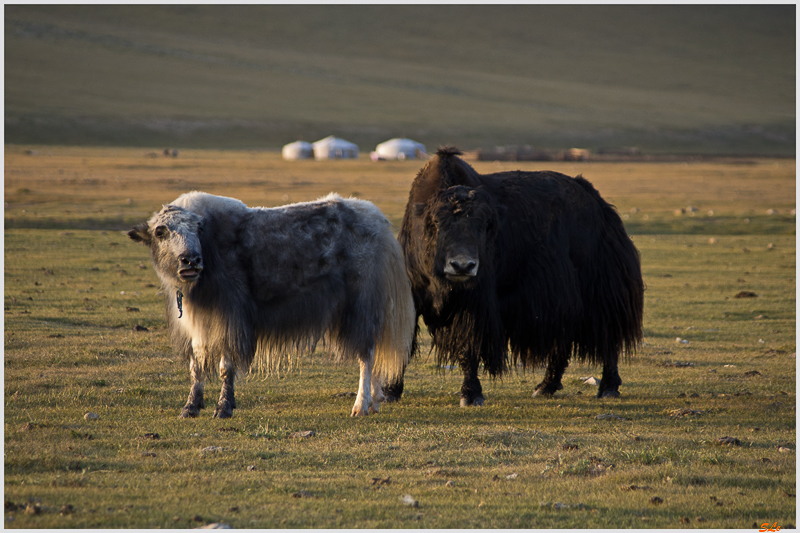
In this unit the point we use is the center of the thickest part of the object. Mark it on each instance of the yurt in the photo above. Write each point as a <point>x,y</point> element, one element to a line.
<point>297,150</point>
<point>398,149</point>
<point>334,148</point>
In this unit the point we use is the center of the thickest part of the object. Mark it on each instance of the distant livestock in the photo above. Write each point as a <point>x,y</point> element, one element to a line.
<point>535,263</point>
<point>244,283</point>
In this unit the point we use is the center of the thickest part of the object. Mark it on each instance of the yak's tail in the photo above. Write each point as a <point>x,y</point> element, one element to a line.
<point>394,346</point>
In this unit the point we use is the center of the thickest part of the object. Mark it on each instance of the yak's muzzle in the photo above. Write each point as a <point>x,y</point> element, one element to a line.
<point>190,267</point>
<point>461,268</point>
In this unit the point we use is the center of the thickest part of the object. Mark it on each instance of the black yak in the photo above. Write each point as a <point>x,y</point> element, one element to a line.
<point>532,263</point>
<point>244,283</point>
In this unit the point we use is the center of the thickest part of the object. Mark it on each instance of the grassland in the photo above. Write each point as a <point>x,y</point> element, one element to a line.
<point>75,287</point>
<point>711,79</point>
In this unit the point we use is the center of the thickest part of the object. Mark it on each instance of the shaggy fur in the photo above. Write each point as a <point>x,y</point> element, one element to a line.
<point>246,284</point>
<point>532,264</point>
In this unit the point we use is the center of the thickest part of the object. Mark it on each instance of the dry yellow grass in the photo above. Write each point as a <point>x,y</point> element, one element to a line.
<point>64,183</point>
<point>73,296</point>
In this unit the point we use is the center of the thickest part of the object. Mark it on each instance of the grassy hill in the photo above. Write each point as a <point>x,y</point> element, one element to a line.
<point>706,79</point>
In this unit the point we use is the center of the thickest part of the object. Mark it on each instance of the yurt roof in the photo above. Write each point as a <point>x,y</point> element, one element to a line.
<point>331,140</point>
<point>400,143</point>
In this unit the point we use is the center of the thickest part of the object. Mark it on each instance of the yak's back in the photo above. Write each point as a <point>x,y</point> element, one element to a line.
<point>204,203</point>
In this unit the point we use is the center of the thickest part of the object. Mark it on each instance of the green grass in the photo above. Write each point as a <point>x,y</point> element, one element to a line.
<point>72,297</point>
<point>707,79</point>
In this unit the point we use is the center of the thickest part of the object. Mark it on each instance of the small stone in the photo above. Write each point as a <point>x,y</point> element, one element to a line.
<point>251,468</point>
<point>450,484</point>
<point>91,416</point>
<point>655,500</point>
<point>303,434</point>
<point>729,441</point>
<point>512,476</point>
<point>409,500</point>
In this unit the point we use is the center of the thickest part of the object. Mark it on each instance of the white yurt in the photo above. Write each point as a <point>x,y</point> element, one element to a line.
<point>334,148</point>
<point>297,150</point>
<point>398,149</point>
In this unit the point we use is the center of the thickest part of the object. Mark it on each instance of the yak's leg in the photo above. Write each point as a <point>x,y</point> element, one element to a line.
<point>471,390</point>
<point>552,377</point>
<point>364,398</point>
<point>610,382</point>
<point>394,391</point>
<point>377,393</point>
<point>227,402</point>
<point>195,401</point>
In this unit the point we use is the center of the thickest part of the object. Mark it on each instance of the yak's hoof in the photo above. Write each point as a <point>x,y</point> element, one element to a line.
<point>223,411</point>
<point>189,412</point>
<point>546,390</point>
<point>608,394</point>
<point>391,398</point>
<point>359,412</point>
<point>477,401</point>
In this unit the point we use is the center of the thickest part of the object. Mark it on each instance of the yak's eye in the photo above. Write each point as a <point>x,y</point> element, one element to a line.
<point>161,232</point>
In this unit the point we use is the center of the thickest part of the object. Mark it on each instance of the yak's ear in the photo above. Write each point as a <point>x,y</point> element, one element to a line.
<point>140,233</point>
<point>418,210</point>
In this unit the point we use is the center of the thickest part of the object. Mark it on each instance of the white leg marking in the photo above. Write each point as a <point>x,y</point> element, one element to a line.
<point>364,398</point>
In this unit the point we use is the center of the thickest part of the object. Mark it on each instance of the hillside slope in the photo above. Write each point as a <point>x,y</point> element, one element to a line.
<point>665,78</point>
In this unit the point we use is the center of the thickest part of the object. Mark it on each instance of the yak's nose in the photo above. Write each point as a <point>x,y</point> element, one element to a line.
<point>190,261</point>
<point>462,266</point>
<point>191,266</point>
